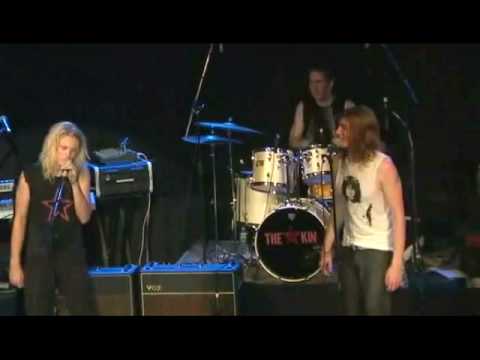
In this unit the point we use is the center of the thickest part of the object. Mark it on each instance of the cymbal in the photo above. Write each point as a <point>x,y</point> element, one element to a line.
<point>227,125</point>
<point>209,139</point>
<point>248,173</point>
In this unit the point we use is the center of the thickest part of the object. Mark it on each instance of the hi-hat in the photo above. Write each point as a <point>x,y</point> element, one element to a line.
<point>227,125</point>
<point>210,139</point>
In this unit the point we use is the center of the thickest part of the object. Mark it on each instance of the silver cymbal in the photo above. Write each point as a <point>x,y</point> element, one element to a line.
<point>227,125</point>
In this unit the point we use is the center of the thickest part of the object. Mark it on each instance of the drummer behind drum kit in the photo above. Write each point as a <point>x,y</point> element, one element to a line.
<point>289,229</point>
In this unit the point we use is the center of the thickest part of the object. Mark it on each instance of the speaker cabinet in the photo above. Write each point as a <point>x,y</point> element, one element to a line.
<point>115,290</point>
<point>9,302</point>
<point>190,289</point>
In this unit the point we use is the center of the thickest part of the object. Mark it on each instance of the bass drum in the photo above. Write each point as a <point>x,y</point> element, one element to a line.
<point>289,240</point>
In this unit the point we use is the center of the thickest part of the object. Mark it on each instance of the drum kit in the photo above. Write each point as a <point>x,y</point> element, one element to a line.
<point>289,229</point>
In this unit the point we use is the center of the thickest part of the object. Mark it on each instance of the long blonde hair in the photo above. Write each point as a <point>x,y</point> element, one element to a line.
<point>48,154</point>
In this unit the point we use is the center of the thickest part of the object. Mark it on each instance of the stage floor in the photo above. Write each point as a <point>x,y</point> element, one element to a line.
<point>261,294</point>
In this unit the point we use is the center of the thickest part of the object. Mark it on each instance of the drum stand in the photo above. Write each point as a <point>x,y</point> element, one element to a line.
<point>232,181</point>
<point>214,174</point>
<point>215,209</point>
<point>296,174</point>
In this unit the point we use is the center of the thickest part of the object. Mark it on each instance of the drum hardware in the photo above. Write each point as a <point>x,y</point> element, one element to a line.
<point>212,140</point>
<point>230,170</point>
<point>195,110</point>
<point>229,126</point>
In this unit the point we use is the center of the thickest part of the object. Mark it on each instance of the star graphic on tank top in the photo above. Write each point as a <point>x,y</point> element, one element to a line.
<point>62,210</point>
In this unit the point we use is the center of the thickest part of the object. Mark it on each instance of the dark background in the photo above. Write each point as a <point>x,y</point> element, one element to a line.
<point>145,91</point>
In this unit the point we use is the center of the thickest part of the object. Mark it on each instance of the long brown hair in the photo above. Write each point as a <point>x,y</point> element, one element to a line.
<point>364,133</point>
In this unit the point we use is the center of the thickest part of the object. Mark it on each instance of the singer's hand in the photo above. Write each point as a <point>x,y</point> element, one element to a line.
<point>393,277</point>
<point>71,173</point>
<point>16,277</point>
<point>326,262</point>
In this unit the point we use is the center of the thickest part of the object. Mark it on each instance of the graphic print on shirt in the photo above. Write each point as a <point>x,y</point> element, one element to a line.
<point>353,193</point>
<point>351,189</point>
<point>61,209</point>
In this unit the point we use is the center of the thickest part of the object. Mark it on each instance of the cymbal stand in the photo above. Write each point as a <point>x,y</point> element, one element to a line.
<point>232,181</point>
<point>214,174</point>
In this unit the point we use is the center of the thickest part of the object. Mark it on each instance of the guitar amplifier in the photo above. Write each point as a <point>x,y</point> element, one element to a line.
<point>190,289</point>
<point>121,178</point>
<point>115,290</point>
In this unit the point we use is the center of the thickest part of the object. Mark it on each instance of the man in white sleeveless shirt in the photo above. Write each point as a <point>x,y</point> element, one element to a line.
<point>369,205</point>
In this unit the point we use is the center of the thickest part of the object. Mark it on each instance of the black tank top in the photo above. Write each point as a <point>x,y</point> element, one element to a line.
<point>49,230</point>
<point>322,117</point>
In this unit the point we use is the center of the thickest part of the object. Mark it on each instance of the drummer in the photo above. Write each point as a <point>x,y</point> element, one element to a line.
<point>314,122</point>
<point>315,115</point>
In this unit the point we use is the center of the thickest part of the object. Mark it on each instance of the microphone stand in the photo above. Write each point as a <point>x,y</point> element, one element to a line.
<point>405,81</point>
<point>333,179</point>
<point>199,88</point>
<point>415,249</point>
<point>414,100</point>
<point>195,110</point>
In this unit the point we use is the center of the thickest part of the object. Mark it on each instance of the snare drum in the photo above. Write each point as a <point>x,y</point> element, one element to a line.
<point>273,170</point>
<point>315,164</point>
<point>289,240</point>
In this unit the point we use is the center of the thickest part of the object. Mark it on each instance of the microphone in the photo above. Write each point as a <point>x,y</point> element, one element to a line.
<point>387,114</point>
<point>65,172</point>
<point>220,48</point>
<point>67,167</point>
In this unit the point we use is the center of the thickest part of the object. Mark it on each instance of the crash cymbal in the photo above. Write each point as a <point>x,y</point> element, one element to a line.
<point>210,139</point>
<point>227,125</point>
